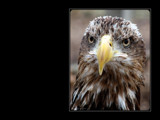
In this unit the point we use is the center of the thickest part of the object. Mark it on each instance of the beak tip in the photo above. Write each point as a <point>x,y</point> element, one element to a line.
<point>100,72</point>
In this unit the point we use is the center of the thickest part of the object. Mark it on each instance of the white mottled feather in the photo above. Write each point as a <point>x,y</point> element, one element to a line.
<point>121,102</point>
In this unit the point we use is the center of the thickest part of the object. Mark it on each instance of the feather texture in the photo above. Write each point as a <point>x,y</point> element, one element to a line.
<point>118,88</point>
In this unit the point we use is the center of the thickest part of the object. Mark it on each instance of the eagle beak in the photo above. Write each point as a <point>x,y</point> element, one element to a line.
<point>105,52</point>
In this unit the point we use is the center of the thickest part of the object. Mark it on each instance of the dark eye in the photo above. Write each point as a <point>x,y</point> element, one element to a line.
<point>126,42</point>
<point>91,39</point>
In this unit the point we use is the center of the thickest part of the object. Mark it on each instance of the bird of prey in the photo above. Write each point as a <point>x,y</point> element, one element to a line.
<point>110,66</point>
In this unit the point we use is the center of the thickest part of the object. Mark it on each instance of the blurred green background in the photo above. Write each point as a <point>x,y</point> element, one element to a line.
<point>79,20</point>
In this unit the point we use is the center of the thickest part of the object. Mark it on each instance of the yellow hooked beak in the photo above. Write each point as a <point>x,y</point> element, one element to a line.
<point>105,52</point>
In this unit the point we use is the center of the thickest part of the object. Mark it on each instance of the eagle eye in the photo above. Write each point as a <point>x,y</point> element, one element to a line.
<point>126,42</point>
<point>91,39</point>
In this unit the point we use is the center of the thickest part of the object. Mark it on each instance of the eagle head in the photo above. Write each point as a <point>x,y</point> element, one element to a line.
<point>111,61</point>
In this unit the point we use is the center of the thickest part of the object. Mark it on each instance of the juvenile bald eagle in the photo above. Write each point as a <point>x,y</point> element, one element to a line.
<point>111,61</point>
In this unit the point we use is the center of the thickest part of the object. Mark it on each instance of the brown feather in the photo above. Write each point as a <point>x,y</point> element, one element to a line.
<point>118,88</point>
